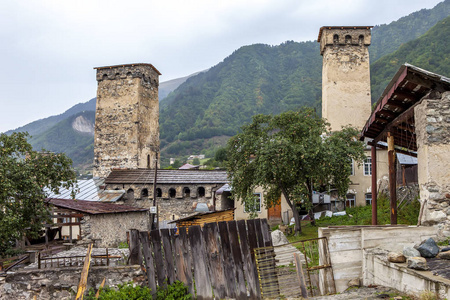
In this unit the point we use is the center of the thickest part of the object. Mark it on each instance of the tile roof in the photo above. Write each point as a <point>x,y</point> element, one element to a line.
<point>94,208</point>
<point>145,176</point>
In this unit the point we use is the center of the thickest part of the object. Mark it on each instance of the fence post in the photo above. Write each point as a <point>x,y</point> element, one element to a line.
<point>39,260</point>
<point>135,249</point>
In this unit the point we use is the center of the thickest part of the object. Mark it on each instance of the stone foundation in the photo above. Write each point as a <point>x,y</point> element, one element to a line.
<point>432,120</point>
<point>62,283</point>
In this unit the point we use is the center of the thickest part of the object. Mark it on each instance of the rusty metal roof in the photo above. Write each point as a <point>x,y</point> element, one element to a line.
<point>198,215</point>
<point>145,176</point>
<point>340,27</point>
<point>128,65</point>
<point>94,208</point>
<point>394,111</point>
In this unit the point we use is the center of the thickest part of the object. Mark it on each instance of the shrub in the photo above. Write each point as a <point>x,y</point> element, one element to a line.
<point>175,291</point>
<point>125,291</point>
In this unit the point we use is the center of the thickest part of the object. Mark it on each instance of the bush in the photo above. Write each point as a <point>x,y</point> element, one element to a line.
<point>125,291</point>
<point>175,291</point>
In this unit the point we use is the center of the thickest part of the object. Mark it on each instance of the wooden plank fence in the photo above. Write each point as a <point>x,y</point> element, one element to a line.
<point>216,261</point>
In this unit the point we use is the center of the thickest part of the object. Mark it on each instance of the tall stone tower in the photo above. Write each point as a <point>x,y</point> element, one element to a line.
<point>345,75</point>
<point>127,118</point>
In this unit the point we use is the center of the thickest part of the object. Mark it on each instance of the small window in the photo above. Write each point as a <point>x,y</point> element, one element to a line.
<point>256,204</point>
<point>368,166</point>
<point>144,193</point>
<point>186,192</point>
<point>201,191</point>
<point>172,193</point>
<point>336,39</point>
<point>369,199</point>
<point>361,40</point>
<point>348,39</point>
<point>351,200</point>
<point>158,193</point>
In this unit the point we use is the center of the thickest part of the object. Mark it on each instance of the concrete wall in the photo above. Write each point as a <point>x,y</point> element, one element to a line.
<point>399,277</point>
<point>432,122</point>
<point>345,77</point>
<point>62,283</point>
<point>108,230</point>
<point>347,243</point>
<point>126,119</point>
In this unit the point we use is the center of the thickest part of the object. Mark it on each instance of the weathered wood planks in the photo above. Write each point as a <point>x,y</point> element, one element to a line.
<point>215,261</point>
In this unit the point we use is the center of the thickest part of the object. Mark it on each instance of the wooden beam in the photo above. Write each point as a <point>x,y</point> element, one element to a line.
<point>392,178</point>
<point>84,274</point>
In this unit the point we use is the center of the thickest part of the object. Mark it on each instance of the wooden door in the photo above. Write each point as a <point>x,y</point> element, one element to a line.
<point>274,212</point>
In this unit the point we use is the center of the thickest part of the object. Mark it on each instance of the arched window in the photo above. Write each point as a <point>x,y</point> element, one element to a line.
<point>186,192</point>
<point>361,40</point>
<point>201,191</point>
<point>158,193</point>
<point>130,195</point>
<point>172,193</point>
<point>336,39</point>
<point>144,193</point>
<point>348,39</point>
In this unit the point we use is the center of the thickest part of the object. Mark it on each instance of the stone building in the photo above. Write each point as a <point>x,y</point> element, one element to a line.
<point>179,193</point>
<point>127,118</point>
<point>346,99</point>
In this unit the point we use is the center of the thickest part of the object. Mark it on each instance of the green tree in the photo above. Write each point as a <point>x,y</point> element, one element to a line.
<point>196,161</point>
<point>23,175</point>
<point>221,154</point>
<point>291,154</point>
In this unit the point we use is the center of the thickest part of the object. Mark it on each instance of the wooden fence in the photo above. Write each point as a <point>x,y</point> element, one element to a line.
<point>215,261</point>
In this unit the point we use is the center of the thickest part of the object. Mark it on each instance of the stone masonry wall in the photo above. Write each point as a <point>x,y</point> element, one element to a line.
<point>108,230</point>
<point>170,208</point>
<point>432,121</point>
<point>127,118</point>
<point>62,283</point>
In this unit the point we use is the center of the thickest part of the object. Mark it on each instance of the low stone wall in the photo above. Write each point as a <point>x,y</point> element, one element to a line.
<point>62,283</point>
<point>396,275</point>
<point>108,230</point>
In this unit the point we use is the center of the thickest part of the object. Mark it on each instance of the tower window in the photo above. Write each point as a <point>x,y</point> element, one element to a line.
<point>348,39</point>
<point>158,193</point>
<point>336,39</point>
<point>144,193</point>
<point>130,195</point>
<point>361,40</point>
<point>172,193</point>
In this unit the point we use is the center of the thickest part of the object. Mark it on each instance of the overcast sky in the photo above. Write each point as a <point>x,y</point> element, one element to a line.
<point>48,49</point>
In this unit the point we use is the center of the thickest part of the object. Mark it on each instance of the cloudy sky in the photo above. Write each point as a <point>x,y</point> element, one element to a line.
<point>48,48</point>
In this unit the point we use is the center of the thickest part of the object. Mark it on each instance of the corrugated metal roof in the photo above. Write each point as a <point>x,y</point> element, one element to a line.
<point>406,159</point>
<point>94,208</point>
<point>145,176</point>
<point>223,188</point>
<point>89,190</point>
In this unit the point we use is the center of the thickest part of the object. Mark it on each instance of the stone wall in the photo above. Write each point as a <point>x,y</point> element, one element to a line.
<point>432,122</point>
<point>182,204</point>
<point>62,283</point>
<point>127,118</point>
<point>108,230</point>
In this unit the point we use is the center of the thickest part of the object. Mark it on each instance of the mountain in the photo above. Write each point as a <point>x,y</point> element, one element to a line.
<point>387,38</point>
<point>40,126</point>
<point>73,135</point>
<point>430,52</point>
<point>201,112</point>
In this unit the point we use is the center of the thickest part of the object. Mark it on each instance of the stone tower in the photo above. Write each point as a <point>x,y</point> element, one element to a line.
<point>127,118</point>
<point>345,75</point>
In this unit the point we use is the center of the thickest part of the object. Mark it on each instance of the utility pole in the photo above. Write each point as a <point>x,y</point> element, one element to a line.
<point>154,196</point>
